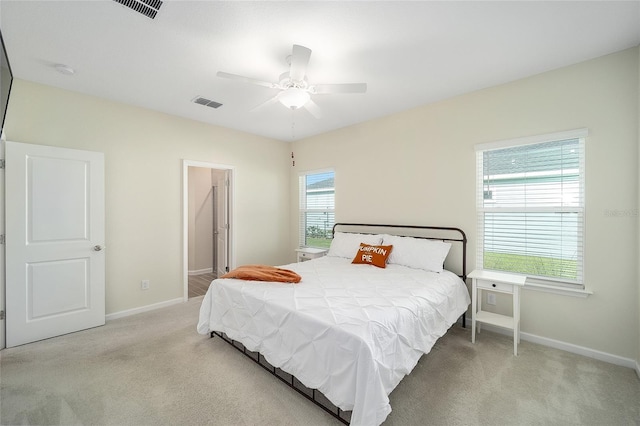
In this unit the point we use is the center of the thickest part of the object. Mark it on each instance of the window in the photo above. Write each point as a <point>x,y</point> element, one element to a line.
<point>530,202</point>
<point>317,209</point>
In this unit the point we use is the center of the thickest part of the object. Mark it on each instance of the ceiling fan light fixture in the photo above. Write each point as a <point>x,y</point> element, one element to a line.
<point>294,88</point>
<point>293,97</point>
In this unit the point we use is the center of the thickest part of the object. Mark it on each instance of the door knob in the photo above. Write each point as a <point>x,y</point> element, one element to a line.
<point>97,248</point>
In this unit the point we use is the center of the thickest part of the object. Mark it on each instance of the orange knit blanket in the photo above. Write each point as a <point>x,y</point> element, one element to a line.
<point>263,273</point>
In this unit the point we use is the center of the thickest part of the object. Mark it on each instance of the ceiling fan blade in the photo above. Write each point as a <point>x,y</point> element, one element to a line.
<point>299,60</point>
<point>324,89</point>
<point>313,109</point>
<point>246,79</point>
<point>265,104</point>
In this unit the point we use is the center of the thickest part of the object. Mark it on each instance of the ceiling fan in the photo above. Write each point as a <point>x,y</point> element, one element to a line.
<point>295,90</point>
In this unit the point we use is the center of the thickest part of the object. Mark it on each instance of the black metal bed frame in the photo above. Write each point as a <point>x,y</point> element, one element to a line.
<point>290,380</point>
<point>314,395</point>
<point>461,239</point>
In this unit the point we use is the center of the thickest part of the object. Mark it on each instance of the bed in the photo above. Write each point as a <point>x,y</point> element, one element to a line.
<point>350,330</point>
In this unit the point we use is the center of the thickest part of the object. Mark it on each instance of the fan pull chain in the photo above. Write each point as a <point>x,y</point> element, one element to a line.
<point>293,126</point>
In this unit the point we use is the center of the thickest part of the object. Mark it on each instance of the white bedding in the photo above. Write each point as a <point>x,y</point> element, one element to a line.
<point>351,331</point>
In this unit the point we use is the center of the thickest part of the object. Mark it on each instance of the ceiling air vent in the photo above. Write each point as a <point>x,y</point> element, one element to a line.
<point>207,102</point>
<point>148,8</point>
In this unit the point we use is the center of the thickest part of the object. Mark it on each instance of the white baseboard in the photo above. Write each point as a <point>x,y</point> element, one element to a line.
<point>200,271</point>
<point>638,369</point>
<point>569,347</point>
<point>134,311</point>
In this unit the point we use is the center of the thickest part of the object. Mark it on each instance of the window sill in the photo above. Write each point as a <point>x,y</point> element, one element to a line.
<point>564,291</point>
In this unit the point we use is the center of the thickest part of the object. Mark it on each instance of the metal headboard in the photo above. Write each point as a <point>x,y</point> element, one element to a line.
<point>440,233</point>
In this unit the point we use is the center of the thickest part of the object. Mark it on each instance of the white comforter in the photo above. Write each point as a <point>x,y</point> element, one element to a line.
<point>351,331</point>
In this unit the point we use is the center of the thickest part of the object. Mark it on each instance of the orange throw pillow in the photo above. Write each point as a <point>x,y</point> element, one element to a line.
<point>373,255</point>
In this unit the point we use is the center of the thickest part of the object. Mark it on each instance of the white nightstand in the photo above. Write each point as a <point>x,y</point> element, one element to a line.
<point>309,253</point>
<point>500,282</point>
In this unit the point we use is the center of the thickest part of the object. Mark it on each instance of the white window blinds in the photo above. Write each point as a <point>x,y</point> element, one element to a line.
<point>317,209</point>
<point>530,198</point>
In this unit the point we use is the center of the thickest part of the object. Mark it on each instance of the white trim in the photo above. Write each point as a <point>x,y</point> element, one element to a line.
<point>134,311</point>
<point>206,165</point>
<point>316,172</point>
<point>529,140</point>
<point>200,271</point>
<point>557,289</point>
<point>568,347</point>
<point>638,369</point>
<point>486,209</point>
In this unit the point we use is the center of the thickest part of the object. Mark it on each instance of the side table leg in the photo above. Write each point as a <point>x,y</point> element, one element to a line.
<point>516,319</point>
<point>474,310</point>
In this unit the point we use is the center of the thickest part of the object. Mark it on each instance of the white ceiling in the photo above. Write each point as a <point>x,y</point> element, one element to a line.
<point>409,53</point>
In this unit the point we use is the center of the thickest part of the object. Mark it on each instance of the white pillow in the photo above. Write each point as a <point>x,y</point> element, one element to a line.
<point>345,244</point>
<point>417,253</point>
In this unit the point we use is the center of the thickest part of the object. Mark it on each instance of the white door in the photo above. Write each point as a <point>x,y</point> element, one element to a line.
<point>222,225</point>
<point>214,216</point>
<point>2,251</point>
<point>55,260</point>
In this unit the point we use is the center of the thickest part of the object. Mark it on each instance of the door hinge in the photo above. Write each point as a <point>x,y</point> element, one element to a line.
<point>1,315</point>
<point>2,164</point>
<point>226,182</point>
<point>2,239</point>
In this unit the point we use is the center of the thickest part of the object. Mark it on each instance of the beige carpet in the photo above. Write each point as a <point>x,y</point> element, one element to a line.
<point>154,369</point>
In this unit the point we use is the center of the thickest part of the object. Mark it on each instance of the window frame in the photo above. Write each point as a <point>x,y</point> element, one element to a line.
<point>481,208</point>
<point>303,208</point>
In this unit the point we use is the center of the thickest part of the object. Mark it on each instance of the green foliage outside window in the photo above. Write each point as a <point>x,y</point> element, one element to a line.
<point>531,265</point>
<point>318,237</point>
<point>319,242</point>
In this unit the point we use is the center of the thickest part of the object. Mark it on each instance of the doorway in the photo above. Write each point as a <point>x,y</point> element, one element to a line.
<point>207,224</point>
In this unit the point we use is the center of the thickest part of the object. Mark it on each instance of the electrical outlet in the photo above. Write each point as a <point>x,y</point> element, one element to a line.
<point>144,284</point>
<point>491,299</point>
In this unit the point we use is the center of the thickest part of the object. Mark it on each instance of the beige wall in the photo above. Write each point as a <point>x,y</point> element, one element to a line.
<point>413,167</point>
<point>418,167</point>
<point>143,166</point>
